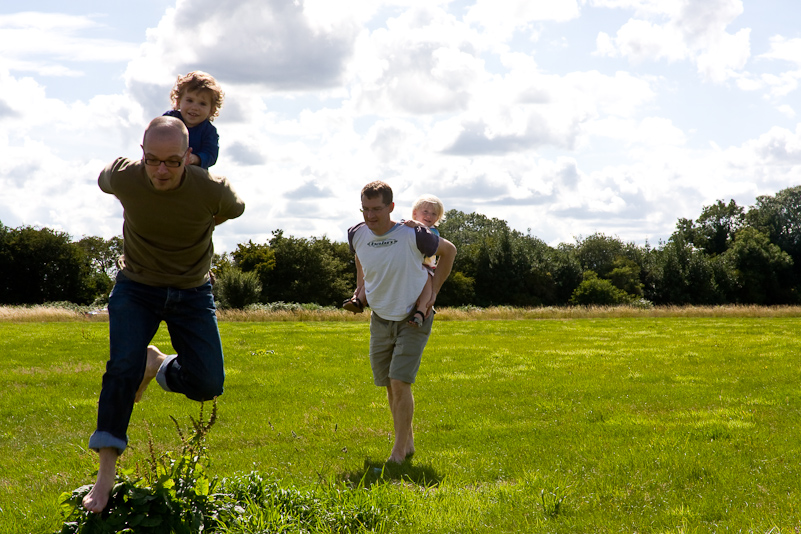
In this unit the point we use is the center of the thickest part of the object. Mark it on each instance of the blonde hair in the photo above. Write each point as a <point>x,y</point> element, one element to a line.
<point>434,201</point>
<point>195,81</point>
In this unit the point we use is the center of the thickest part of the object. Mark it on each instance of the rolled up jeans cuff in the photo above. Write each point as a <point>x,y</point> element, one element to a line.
<point>101,440</point>
<point>161,376</point>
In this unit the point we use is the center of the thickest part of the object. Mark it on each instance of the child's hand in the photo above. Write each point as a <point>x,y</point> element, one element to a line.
<point>413,224</point>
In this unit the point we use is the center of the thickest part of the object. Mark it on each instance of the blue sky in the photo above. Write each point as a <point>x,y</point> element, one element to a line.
<point>565,117</point>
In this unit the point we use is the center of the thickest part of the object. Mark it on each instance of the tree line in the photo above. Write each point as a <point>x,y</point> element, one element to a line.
<point>729,254</point>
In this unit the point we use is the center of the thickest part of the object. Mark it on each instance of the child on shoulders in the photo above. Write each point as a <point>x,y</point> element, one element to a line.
<point>196,100</point>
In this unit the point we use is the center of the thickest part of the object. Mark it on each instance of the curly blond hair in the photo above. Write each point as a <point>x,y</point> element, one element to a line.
<point>197,80</point>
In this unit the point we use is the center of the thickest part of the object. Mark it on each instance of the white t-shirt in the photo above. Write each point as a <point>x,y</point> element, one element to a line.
<point>393,268</point>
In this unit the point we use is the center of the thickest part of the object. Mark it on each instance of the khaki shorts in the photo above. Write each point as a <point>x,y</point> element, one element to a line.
<point>396,348</point>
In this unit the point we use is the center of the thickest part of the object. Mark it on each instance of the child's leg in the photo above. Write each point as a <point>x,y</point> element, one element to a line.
<point>422,301</point>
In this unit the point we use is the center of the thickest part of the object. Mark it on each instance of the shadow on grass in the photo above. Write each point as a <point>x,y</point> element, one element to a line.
<point>378,472</point>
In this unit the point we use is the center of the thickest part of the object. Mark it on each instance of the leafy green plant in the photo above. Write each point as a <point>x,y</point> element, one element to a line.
<point>174,495</point>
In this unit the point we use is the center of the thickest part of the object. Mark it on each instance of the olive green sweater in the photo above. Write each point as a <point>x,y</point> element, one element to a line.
<point>167,234</point>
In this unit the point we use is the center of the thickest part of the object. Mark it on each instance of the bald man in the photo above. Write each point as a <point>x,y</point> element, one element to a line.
<point>170,212</point>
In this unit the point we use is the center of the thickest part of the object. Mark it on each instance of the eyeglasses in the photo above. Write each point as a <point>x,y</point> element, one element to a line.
<point>153,162</point>
<point>368,211</point>
<point>174,164</point>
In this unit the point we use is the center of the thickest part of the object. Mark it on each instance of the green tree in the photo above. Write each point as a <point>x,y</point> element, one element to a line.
<point>717,226</point>
<point>102,254</point>
<point>598,252</point>
<point>43,265</point>
<point>779,217</point>
<point>762,271</point>
<point>681,274</point>
<point>625,275</point>
<point>566,270</point>
<point>713,231</point>
<point>470,232</point>
<point>221,263</point>
<point>505,266</point>
<point>252,257</point>
<point>309,270</point>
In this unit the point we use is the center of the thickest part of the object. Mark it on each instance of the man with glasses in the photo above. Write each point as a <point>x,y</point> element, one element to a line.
<point>389,265</point>
<point>170,212</point>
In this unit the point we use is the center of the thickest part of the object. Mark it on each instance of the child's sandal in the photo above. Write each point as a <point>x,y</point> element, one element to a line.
<point>417,319</point>
<point>353,304</point>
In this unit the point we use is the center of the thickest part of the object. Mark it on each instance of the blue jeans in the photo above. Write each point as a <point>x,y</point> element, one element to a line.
<point>135,313</point>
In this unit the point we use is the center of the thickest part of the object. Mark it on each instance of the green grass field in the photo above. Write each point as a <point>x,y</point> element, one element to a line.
<point>637,424</point>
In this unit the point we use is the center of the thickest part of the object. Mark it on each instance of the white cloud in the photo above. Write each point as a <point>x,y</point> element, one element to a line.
<point>784,49</point>
<point>787,50</point>
<point>787,110</point>
<point>694,31</point>
<point>501,19</point>
<point>640,40</point>
<point>275,46</point>
<point>651,131</point>
<point>431,96</point>
<point>425,61</point>
<point>44,42</point>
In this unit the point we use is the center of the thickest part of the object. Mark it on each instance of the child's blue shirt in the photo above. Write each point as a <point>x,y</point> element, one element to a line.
<point>203,140</point>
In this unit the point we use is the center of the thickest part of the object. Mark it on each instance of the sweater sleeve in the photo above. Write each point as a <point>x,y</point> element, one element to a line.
<point>209,146</point>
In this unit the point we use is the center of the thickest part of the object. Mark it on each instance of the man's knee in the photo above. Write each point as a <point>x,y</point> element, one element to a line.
<point>206,388</point>
<point>399,386</point>
<point>212,388</point>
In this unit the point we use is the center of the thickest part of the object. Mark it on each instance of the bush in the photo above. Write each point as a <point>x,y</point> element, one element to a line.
<point>594,290</point>
<point>235,289</point>
<point>459,289</point>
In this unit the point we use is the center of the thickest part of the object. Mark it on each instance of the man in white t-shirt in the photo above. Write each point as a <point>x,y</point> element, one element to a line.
<point>389,264</point>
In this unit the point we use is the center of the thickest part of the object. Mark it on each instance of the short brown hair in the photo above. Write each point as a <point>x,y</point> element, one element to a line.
<point>374,189</point>
<point>197,80</point>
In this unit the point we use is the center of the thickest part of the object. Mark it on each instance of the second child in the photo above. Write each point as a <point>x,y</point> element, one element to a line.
<point>196,100</point>
<point>428,211</point>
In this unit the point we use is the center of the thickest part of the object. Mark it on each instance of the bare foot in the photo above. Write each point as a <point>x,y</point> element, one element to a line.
<point>400,456</point>
<point>154,359</point>
<point>97,499</point>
